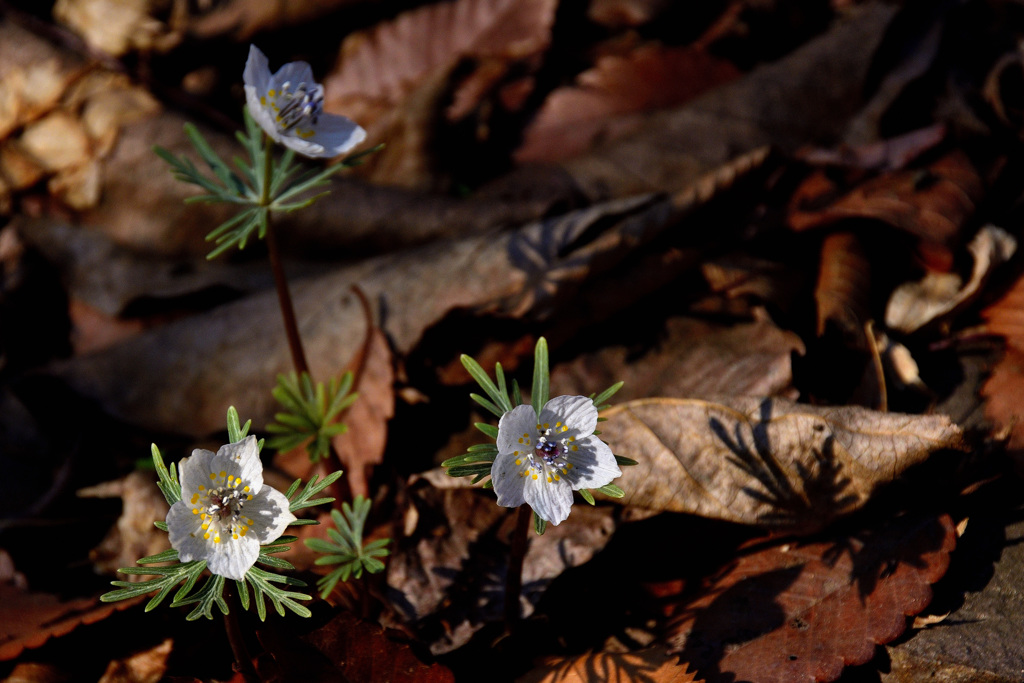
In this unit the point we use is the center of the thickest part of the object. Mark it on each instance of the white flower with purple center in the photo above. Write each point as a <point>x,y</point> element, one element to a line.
<point>225,512</point>
<point>542,459</point>
<point>289,106</point>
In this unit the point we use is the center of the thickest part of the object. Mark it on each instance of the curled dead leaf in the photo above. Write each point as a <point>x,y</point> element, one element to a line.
<point>767,461</point>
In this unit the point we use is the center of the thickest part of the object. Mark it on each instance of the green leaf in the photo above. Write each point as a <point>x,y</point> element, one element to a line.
<point>488,429</point>
<point>624,461</point>
<point>500,401</point>
<point>346,546</point>
<point>541,375</point>
<point>612,490</point>
<point>310,412</point>
<point>167,479</point>
<point>313,487</point>
<point>539,525</point>
<point>587,496</point>
<point>601,399</point>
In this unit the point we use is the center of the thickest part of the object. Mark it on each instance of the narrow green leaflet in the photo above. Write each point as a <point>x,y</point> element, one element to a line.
<point>311,413</point>
<point>346,547</point>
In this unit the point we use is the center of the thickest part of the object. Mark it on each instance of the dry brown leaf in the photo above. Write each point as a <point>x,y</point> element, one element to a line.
<point>241,19</point>
<point>599,106</point>
<point>143,667</point>
<point>799,612</point>
<point>694,359</point>
<point>33,76</point>
<point>650,665</point>
<point>391,78</point>
<point>134,535</point>
<point>932,204</point>
<point>362,445</point>
<point>28,619</point>
<point>766,462</point>
<point>33,672</point>
<point>914,304</point>
<point>56,142</point>
<point>112,26</point>
<point>768,106</point>
<point>534,271</point>
<point>446,574</point>
<point>363,651</point>
<point>1005,386</point>
<point>844,286</point>
<point>619,13</point>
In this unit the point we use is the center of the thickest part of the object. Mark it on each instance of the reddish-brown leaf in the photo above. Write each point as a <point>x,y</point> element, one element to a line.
<point>1005,386</point>
<point>650,665</point>
<point>362,445</point>
<point>600,104</point>
<point>932,203</point>
<point>392,77</point>
<point>363,651</point>
<point>29,619</point>
<point>844,285</point>
<point>803,612</point>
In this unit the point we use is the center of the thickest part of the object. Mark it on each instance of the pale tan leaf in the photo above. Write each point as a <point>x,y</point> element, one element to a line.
<point>56,142</point>
<point>767,462</point>
<point>112,26</point>
<point>134,535</point>
<point>147,666</point>
<point>915,304</point>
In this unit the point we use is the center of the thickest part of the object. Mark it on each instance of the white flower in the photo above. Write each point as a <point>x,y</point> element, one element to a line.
<point>225,511</point>
<point>289,107</point>
<point>541,461</point>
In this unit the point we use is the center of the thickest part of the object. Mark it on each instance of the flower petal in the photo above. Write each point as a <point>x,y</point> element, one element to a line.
<point>593,464</point>
<point>520,421</point>
<point>269,513</point>
<point>575,412</point>
<point>293,73</point>
<point>507,480</point>
<point>232,557</point>
<point>182,528</point>
<point>552,500</point>
<point>194,472</point>
<point>257,71</point>
<point>245,454</point>
<point>337,134</point>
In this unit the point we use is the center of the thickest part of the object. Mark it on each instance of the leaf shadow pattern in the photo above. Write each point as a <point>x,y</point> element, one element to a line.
<point>650,665</point>
<point>822,485</point>
<point>559,253</point>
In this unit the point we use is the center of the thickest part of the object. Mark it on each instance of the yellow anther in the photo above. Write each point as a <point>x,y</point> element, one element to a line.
<point>246,489</point>
<point>212,475</point>
<point>565,428</point>
<point>519,461</point>
<point>207,535</point>
<point>195,498</point>
<point>557,478</point>
<point>520,439</point>
<point>535,476</point>
<point>547,425</point>
<point>223,473</point>
<point>206,526</point>
<point>195,511</point>
<point>272,93</point>
<point>549,480</point>
<point>216,539</point>
<point>202,488</point>
<point>575,447</point>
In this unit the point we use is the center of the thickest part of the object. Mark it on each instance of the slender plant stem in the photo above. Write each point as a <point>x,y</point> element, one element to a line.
<point>243,662</point>
<point>284,296</point>
<point>514,577</point>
